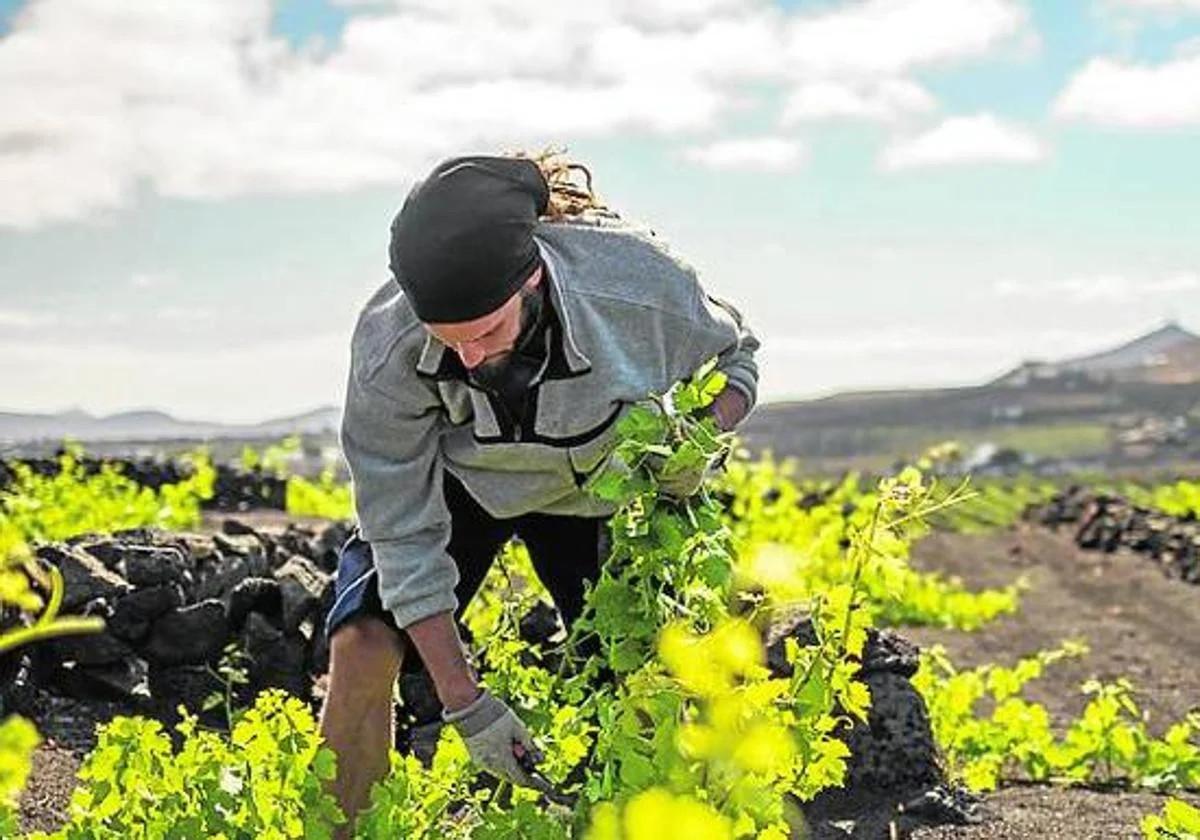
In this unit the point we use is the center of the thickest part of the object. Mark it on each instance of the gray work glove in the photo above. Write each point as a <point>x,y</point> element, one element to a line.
<point>496,740</point>
<point>680,484</point>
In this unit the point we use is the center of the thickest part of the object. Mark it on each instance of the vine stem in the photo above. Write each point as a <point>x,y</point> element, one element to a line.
<point>860,563</point>
<point>860,553</point>
<point>54,629</point>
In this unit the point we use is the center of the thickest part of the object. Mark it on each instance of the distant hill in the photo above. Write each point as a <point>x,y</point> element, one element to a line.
<point>154,425</point>
<point>1081,403</point>
<point>1168,354</point>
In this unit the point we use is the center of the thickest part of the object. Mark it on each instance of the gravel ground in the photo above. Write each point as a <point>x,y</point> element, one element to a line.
<point>43,805</point>
<point>1024,812</point>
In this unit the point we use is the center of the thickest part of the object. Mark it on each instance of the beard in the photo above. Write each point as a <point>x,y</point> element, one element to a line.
<point>493,371</point>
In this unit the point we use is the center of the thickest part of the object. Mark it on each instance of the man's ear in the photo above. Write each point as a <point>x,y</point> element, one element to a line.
<point>535,279</point>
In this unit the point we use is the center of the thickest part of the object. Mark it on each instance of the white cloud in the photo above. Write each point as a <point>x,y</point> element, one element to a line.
<point>893,36</point>
<point>1112,92</point>
<point>257,382</point>
<point>964,140</point>
<point>886,341</point>
<point>93,320</point>
<point>23,319</point>
<point>103,101</point>
<point>186,314</point>
<point>886,100</point>
<point>882,356</point>
<point>149,280</point>
<point>1161,5</point>
<point>676,13</point>
<point>756,154</point>
<point>1101,288</point>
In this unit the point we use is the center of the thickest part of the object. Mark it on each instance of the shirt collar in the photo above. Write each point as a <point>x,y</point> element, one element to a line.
<point>436,361</point>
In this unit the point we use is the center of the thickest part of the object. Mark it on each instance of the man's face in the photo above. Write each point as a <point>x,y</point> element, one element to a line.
<point>489,338</point>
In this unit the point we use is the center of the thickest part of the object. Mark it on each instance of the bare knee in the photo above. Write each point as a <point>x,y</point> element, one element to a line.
<point>367,651</point>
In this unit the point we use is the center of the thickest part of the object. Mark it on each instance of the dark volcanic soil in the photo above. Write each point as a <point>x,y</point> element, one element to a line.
<point>1024,813</point>
<point>1138,623</point>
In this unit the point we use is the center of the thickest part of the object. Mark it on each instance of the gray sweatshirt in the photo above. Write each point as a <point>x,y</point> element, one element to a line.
<point>630,319</point>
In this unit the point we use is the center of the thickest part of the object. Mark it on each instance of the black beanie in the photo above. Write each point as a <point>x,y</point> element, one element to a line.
<point>462,244</point>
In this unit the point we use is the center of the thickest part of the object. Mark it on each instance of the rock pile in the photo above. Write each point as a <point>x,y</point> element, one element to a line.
<point>172,602</point>
<point>1105,523</point>
<point>894,750</point>
<point>241,490</point>
<point>149,472</point>
<point>235,489</point>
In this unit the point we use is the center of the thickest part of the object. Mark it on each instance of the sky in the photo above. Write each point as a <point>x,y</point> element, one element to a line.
<point>195,197</point>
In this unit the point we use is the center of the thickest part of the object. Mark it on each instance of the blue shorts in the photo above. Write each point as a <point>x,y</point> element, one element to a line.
<point>356,587</point>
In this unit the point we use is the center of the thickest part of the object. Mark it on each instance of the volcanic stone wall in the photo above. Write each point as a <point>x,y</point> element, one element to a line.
<point>235,489</point>
<point>1105,523</point>
<point>172,602</point>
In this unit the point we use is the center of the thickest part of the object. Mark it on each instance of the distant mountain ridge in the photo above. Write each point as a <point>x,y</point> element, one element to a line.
<point>1100,399</point>
<point>1169,354</point>
<point>148,425</point>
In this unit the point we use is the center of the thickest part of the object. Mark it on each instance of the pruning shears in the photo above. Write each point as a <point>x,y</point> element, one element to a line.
<point>529,763</point>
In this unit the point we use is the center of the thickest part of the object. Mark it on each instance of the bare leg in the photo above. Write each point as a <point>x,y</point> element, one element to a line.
<point>358,718</point>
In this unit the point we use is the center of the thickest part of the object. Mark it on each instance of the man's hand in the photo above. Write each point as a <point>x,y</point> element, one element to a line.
<point>729,408</point>
<point>682,484</point>
<point>495,739</point>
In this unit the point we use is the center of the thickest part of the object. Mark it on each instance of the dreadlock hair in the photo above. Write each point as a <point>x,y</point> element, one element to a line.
<point>569,197</point>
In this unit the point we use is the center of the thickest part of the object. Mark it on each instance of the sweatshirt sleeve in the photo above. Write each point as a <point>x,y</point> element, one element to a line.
<point>393,450</point>
<point>718,329</point>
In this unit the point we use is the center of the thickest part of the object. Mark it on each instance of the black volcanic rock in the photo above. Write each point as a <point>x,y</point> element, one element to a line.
<point>133,614</point>
<point>188,635</point>
<point>260,594</point>
<point>85,577</point>
<point>154,565</point>
<point>277,659</point>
